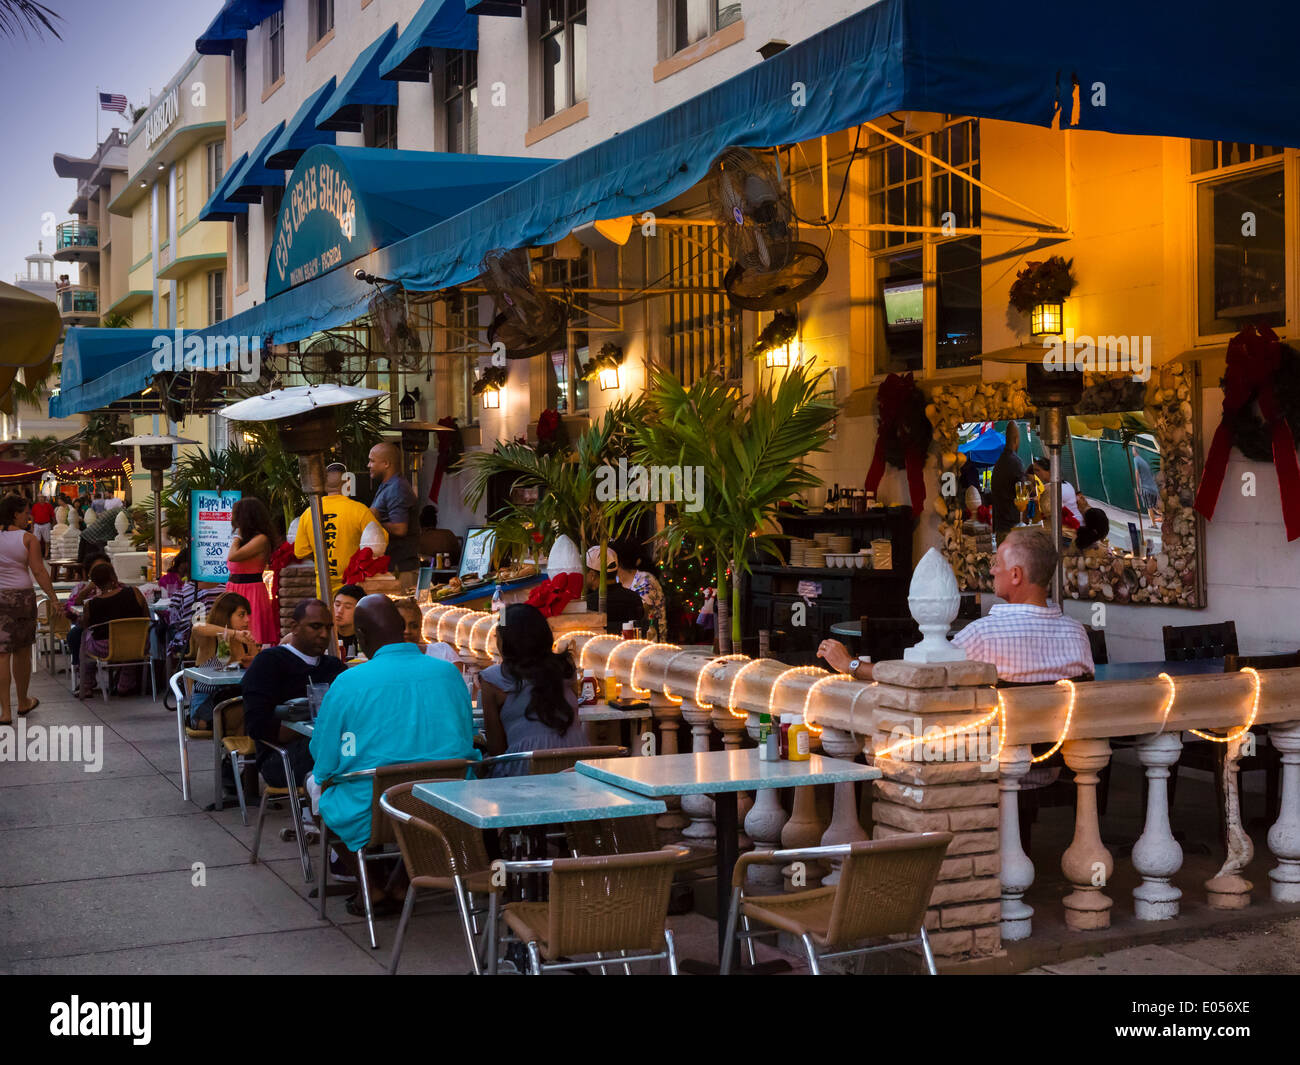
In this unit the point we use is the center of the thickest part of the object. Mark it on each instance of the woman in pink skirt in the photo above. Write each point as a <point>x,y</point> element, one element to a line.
<point>254,542</point>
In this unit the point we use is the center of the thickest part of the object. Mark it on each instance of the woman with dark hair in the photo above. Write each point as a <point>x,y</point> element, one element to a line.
<point>636,572</point>
<point>20,561</point>
<point>530,700</point>
<point>76,603</point>
<point>113,602</point>
<point>227,622</point>
<point>254,542</point>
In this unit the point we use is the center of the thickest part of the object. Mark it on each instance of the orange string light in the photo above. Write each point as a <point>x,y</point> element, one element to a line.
<point>676,700</point>
<point>1254,709</point>
<point>731,695</point>
<point>805,671</point>
<point>651,645</point>
<point>473,630</point>
<point>1169,702</point>
<point>609,660</point>
<point>582,658</point>
<point>1069,714</point>
<point>944,734</point>
<point>807,700</point>
<point>699,681</point>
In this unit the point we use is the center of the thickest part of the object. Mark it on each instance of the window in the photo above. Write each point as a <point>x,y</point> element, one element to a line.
<point>460,101</point>
<point>693,20</point>
<point>1241,236</point>
<point>703,331</point>
<point>239,78</point>
<point>321,19</point>
<point>563,54</point>
<point>216,296</point>
<point>462,316</point>
<point>928,286</point>
<point>271,214</point>
<point>565,391</point>
<point>274,48</point>
<point>380,125</point>
<point>216,165</point>
<point>241,250</point>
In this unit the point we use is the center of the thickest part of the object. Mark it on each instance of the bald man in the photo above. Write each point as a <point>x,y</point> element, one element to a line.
<point>394,507</point>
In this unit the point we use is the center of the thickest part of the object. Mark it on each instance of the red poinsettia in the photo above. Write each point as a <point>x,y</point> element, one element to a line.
<point>547,424</point>
<point>552,596</point>
<point>364,564</point>
<point>282,556</point>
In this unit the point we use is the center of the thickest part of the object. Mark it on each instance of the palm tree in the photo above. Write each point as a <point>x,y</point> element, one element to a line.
<point>750,454</point>
<point>48,451</point>
<point>18,16</point>
<point>102,428</point>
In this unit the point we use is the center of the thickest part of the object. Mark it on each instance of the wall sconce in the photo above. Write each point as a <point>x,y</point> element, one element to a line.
<point>408,404</point>
<point>1046,318</point>
<point>489,385</point>
<point>608,378</point>
<point>491,398</point>
<point>783,355</point>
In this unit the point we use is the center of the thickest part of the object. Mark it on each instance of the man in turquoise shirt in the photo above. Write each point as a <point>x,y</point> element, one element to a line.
<point>400,706</point>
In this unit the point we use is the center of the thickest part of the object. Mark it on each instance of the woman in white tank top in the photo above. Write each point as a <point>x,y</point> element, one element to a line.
<point>20,561</point>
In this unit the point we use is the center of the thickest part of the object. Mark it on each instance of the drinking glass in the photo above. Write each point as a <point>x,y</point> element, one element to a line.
<point>1022,499</point>
<point>315,696</point>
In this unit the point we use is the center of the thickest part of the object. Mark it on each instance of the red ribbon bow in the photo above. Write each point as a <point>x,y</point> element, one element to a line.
<point>364,564</point>
<point>552,596</point>
<point>1254,356</point>
<point>895,398</point>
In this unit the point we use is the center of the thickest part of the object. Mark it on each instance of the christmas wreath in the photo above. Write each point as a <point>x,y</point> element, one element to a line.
<point>904,435</point>
<point>553,595</point>
<point>1263,372</point>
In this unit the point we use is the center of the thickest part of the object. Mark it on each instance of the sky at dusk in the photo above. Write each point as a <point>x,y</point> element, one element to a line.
<point>49,88</point>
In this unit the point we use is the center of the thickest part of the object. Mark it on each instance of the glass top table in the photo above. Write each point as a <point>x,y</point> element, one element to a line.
<point>548,799</point>
<point>1151,670</point>
<point>208,675</point>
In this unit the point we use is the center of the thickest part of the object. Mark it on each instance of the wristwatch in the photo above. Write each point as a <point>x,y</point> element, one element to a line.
<point>853,666</point>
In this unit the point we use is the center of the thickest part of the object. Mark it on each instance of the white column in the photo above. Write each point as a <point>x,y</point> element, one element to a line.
<point>1017,869</point>
<point>1087,864</point>
<point>1284,836</point>
<point>1157,855</point>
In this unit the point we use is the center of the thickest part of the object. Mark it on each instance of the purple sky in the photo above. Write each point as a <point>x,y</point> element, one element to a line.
<point>48,85</point>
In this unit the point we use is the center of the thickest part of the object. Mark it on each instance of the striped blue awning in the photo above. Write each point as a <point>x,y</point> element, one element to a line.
<point>232,24</point>
<point>247,185</point>
<point>301,132</point>
<point>361,86</point>
<point>438,24</point>
<point>218,208</point>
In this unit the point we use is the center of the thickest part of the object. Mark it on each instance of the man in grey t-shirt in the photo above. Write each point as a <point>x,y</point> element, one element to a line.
<point>394,507</point>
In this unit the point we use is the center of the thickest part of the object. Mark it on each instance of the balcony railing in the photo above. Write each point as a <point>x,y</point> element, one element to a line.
<point>78,300</point>
<point>76,234</point>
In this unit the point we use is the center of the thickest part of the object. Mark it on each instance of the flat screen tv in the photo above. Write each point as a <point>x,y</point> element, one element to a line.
<point>904,302</point>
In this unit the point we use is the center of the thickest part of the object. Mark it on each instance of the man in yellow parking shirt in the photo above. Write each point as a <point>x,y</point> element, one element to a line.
<point>344,521</point>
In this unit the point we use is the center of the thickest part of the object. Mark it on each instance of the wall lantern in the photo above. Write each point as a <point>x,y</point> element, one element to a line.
<point>491,398</point>
<point>608,378</point>
<point>408,404</point>
<point>1046,318</point>
<point>489,385</point>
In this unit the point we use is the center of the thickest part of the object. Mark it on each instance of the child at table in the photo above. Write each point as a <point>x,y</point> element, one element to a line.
<point>227,621</point>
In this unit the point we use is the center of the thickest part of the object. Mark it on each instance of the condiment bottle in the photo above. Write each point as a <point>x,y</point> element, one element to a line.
<point>629,630</point>
<point>590,693</point>
<point>799,740</point>
<point>611,687</point>
<point>764,737</point>
<point>783,750</point>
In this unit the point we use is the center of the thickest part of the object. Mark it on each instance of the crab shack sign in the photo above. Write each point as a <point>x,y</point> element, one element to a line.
<point>317,227</point>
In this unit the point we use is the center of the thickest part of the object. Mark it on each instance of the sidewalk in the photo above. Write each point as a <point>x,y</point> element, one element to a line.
<point>111,872</point>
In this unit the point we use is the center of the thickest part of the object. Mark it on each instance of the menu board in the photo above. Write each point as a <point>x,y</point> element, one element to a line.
<point>210,534</point>
<point>476,557</point>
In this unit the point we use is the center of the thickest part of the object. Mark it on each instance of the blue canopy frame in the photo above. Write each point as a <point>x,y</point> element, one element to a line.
<point>301,132</point>
<point>438,24</point>
<point>232,24</point>
<point>361,86</point>
<point>218,208</point>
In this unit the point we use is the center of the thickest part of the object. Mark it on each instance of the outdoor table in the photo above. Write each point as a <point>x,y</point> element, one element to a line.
<point>65,569</point>
<point>1151,670</point>
<point>721,774</point>
<point>545,799</point>
<point>217,678</point>
<point>605,712</point>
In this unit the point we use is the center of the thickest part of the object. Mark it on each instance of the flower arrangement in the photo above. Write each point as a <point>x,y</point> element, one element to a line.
<point>553,595</point>
<point>1049,281</point>
<point>608,357</point>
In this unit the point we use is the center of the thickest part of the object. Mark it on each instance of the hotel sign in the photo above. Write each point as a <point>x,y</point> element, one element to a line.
<point>161,117</point>
<point>320,226</point>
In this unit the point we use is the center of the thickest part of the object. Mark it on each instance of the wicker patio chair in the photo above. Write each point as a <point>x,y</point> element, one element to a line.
<point>596,906</point>
<point>883,890</point>
<point>442,854</point>
<point>52,627</point>
<point>128,645</point>
<point>381,826</point>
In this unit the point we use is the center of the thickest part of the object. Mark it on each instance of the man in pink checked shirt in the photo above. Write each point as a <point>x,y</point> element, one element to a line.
<point>1028,641</point>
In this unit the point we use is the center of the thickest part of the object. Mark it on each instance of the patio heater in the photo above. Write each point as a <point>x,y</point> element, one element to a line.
<point>1054,392</point>
<point>156,457</point>
<point>306,417</point>
<point>415,444</point>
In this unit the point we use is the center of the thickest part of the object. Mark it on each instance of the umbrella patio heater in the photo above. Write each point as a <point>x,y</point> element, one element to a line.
<point>306,417</point>
<point>156,457</point>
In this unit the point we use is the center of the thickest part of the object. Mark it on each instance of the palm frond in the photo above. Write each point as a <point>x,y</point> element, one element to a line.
<point>19,16</point>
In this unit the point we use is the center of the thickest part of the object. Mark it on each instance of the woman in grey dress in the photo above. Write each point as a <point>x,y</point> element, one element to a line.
<point>530,700</point>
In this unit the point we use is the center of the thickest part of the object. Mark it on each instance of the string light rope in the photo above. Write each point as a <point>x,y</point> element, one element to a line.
<point>582,658</point>
<point>675,699</point>
<point>1169,703</point>
<point>652,645</point>
<point>441,619</point>
<point>1069,715</point>
<point>853,706</point>
<point>805,671</point>
<point>1254,709</point>
<point>609,661</point>
<point>704,669</point>
<point>944,734</point>
<point>731,695</point>
<point>464,618</point>
<point>473,630</point>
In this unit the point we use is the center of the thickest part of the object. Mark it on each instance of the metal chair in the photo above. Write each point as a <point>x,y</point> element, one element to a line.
<point>443,854</point>
<point>595,906</point>
<point>184,733</point>
<point>549,760</point>
<point>381,827</point>
<point>884,890</point>
<point>295,793</point>
<point>1185,643</point>
<point>128,645</point>
<point>235,744</point>
<point>52,627</point>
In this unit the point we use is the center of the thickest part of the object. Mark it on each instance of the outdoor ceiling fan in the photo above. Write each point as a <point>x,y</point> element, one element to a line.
<point>527,320</point>
<point>771,267</point>
<point>333,358</point>
<point>391,316</point>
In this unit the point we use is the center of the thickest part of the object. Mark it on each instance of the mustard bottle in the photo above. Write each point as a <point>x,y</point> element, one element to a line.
<point>611,687</point>
<point>800,741</point>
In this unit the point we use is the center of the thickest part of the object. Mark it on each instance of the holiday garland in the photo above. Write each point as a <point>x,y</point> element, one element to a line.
<point>904,435</point>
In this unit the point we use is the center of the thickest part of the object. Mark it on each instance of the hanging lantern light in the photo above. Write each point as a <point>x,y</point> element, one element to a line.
<point>491,398</point>
<point>408,404</point>
<point>608,378</point>
<point>1046,318</point>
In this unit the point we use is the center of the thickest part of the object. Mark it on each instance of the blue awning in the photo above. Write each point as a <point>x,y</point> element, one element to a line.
<point>986,448</point>
<point>438,24</point>
<point>301,132</point>
<point>361,85</point>
<point>247,185</point>
<point>342,203</point>
<point>232,24</point>
<point>495,7</point>
<point>218,208</point>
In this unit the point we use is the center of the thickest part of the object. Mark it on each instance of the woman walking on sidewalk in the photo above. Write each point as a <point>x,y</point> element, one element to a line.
<point>20,561</point>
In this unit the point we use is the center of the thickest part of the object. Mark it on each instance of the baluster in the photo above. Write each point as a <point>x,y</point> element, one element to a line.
<point>1157,855</point>
<point>763,825</point>
<point>1284,836</point>
<point>1228,889</point>
<point>1017,870</point>
<point>699,808</point>
<point>733,731</point>
<point>1087,864</point>
<point>803,829</point>
<point>844,826</point>
<point>668,713</point>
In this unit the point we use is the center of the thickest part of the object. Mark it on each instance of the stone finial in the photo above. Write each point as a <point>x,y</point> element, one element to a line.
<point>934,599</point>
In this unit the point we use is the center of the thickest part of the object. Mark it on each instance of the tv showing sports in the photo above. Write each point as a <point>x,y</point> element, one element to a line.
<point>904,304</point>
<point>476,558</point>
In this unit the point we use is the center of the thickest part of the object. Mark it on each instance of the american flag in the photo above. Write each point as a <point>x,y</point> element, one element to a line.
<point>112,101</point>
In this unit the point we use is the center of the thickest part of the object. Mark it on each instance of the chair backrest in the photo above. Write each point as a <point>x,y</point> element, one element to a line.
<point>433,843</point>
<point>886,638</point>
<point>885,887</point>
<point>388,776</point>
<point>1097,641</point>
<point>230,713</point>
<point>128,639</point>
<point>616,902</point>
<point>557,759</point>
<point>1289,660</point>
<point>613,835</point>
<point>1185,643</point>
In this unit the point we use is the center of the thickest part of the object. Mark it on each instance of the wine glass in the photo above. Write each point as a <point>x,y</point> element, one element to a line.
<point>1022,499</point>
